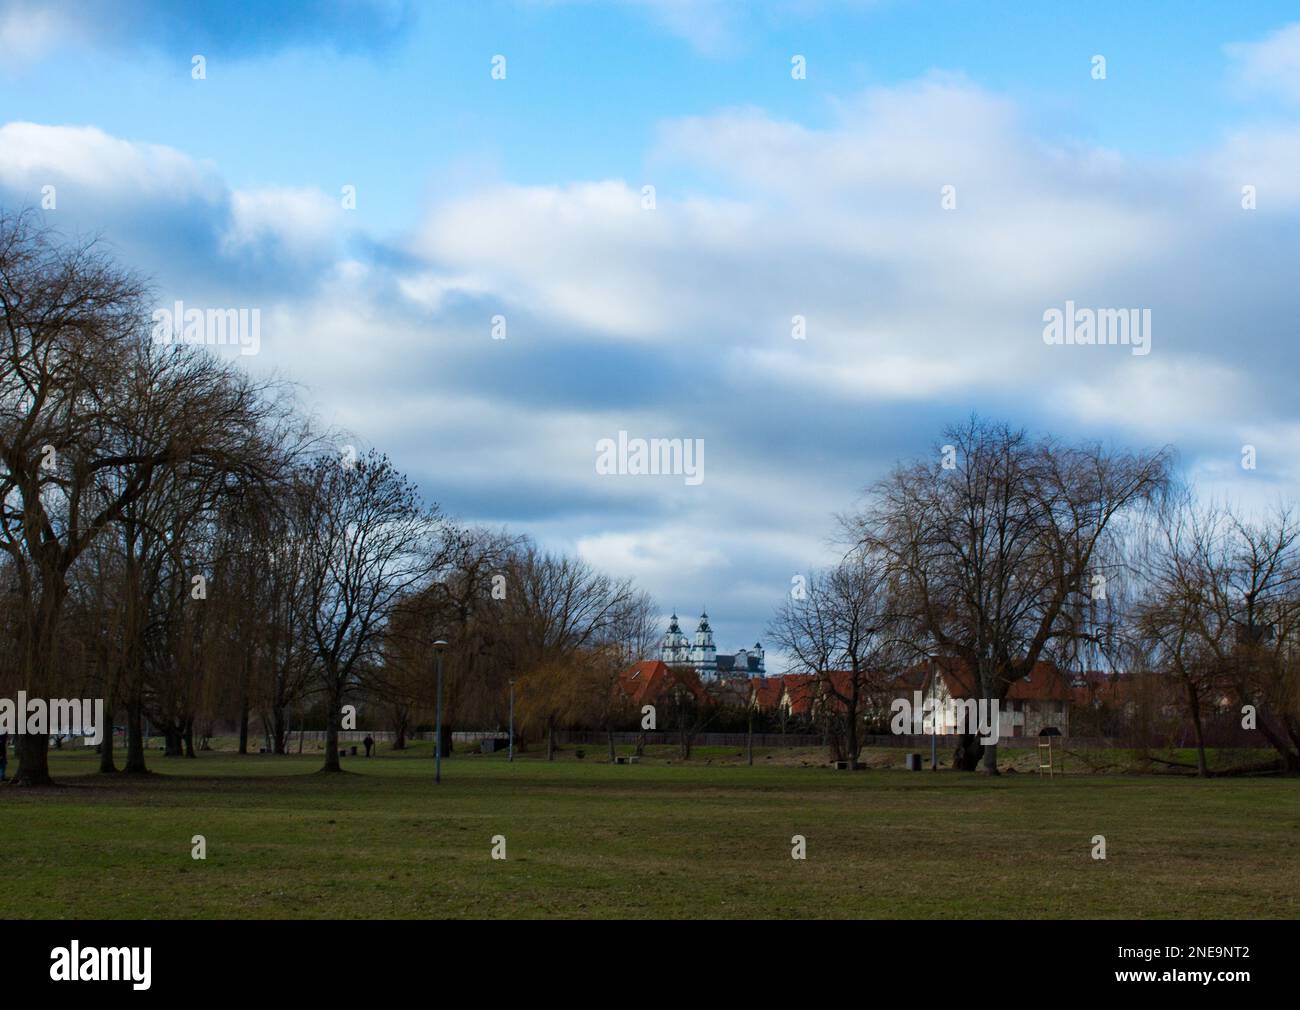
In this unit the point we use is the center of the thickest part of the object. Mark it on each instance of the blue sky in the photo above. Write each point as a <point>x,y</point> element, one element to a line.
<point>408,109</point>
<point>774,197</point>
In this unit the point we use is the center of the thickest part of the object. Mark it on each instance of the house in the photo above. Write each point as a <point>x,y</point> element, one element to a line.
<point>765,693</point>
<point>806,696</point>
<point>903,685</point>
<point>798,691</point>
<point>1033,705</point>
<point>645,682</point>
<point>649,681</point>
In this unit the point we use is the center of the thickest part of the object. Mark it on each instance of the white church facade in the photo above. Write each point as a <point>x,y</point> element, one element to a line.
<point>701,655</point>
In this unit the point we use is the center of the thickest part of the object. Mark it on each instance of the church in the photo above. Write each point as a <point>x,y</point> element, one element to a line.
<point>703,657</point>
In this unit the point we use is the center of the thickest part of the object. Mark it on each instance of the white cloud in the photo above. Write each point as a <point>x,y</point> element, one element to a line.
<point>32,155</point>
<point>302,222</point>
<point>707,25</point>
<point>915,314</point>
<point>1169,399</point>
<point>586,253</point>
<point>1271,65</point>
<point>1264,157</point>
<point>843,225</point>
<point>28,30</point>
<point>171,204</point>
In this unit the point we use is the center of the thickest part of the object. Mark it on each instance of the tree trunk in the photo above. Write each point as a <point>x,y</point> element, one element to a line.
<point>243,721</point>
<point>854,747</point>
<point>332,740</point>
<point>991,760</point>
<point>640,744</point>
<point>37,650</point>
<point>1290,758</point>
<point>987,684</point>
<point>173,744</point>
<point>1194,707</point>
<point>106,763</point>
<point>611,745</point>
<point>401,719</point>
<point>966,757</point>
<point>550,742</point>
<point>33,754</point>
<point>188,736</point>
<point>279,731</point>
<point>134,738</point>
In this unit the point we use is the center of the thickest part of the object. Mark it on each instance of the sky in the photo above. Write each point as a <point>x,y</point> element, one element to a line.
<point>940,176</point>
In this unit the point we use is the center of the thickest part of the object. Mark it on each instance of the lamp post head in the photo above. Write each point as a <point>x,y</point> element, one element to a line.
<point>440,645</point>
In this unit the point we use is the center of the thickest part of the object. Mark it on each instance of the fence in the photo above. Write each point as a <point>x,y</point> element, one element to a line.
<point>907,741</point>
<point>317,736</point>
<point>656,737</point>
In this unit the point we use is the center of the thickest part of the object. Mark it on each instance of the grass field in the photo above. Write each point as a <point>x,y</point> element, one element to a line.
<point>587,839</point>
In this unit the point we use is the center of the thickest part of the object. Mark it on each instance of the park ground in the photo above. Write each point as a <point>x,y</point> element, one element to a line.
<point>708,838</point>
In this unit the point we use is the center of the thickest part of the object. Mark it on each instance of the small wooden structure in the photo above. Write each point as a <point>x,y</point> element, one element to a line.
<point>1046,757</point>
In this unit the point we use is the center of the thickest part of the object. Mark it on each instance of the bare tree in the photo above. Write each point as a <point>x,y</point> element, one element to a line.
<point>91,414</point>
<point>841,630</point>
<point>369,543</point>
<point>1228,603</point>
<point>568,631</point>
<point>632,632</point>
<point>989,543</point>
<point>1168,621</point>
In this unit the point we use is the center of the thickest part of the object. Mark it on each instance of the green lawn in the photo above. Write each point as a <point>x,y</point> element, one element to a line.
<point>588,839</point>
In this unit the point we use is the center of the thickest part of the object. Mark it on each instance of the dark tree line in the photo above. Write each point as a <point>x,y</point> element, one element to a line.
<point>180,541</point>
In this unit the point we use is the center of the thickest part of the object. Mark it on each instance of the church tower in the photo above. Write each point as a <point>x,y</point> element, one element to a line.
<point>675,648</point>
<point>704,655</point>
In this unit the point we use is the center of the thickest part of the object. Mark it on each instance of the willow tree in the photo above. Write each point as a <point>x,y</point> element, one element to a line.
<point>92,415</point>
<point>992,542</point>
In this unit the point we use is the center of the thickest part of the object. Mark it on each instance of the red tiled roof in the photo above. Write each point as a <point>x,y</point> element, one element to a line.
<point>766,692</point>
<point>911,680</point>
<point>1044,683</point>
<point>645,681</point>
<point>800,689</point>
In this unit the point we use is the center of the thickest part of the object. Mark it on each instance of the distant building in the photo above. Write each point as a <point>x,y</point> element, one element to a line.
<point>702,656</point>
<point>651,681</point>
<point>1036,703</point>
<point>645,682</point>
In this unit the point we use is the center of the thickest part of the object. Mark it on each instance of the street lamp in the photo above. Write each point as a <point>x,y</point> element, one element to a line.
<point>934,719</point>
<point>511,742</point>
<point>438,646</point>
